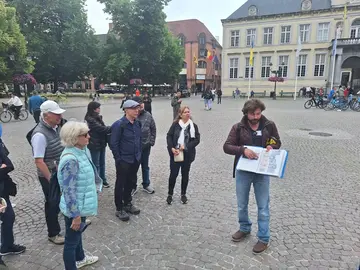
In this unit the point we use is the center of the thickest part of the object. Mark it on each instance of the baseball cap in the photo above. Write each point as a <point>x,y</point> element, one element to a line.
<point>130,104</point>
<point>138,99</point>
<point>52,107</point>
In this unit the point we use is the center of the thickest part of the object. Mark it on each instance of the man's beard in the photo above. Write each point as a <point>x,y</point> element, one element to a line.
<point>254,121</point>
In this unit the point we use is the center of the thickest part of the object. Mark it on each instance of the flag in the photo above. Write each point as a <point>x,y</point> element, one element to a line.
<point>216,59</point>
<point>345,12</point>
<point>251,60</point>
<point>334,46</point>
<point>209,55</point>
<point>299,47</point>
<point>195,59</point>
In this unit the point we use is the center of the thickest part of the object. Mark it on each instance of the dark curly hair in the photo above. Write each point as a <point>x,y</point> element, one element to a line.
<point>252,105</point>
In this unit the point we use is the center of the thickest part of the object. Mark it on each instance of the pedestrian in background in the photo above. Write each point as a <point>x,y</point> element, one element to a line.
<point>99,134</point>
<point>78,181</point>
<point>176,103</point>
<point>147,103</point>
<point>182,139</point>
<point>125,144</point>
<point>35,102</point>
<point>219,95</point>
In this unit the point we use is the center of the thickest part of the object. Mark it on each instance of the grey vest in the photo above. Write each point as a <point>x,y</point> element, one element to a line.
<point>53,149</point>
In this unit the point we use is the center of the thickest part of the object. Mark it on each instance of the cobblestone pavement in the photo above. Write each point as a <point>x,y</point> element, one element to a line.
<point>315,217</point>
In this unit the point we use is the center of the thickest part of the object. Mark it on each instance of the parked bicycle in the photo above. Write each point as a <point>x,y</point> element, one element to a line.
<point>317,102</point>
<point>339,104</point>
<point>8,113</point>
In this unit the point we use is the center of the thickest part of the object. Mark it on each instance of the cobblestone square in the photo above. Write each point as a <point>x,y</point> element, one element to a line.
<point>315,209</point>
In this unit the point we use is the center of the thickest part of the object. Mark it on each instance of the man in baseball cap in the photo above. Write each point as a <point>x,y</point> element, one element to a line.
<point>47,149</point>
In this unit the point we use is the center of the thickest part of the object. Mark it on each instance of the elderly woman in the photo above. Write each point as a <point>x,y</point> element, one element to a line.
<point>78,180</point>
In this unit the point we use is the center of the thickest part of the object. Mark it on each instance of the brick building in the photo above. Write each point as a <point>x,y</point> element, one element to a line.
<point>197,40</point>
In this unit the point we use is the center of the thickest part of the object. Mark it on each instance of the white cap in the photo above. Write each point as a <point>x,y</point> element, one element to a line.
<point>52,107</point>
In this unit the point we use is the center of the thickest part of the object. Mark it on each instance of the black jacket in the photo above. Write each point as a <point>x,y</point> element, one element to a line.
<point>4,177</point>
<point>99,132</point>
<point>190,143</point>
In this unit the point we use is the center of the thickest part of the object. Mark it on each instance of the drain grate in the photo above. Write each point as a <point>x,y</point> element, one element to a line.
<point>320,134</point>
<point>305,129</point>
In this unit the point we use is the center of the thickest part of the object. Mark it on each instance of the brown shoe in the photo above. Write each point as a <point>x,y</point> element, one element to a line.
<point>239,236</point>
<point>260,247</point>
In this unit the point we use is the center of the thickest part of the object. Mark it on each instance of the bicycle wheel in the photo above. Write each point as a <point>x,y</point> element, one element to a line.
<point>23,115</point>
<point>344,106</point>
<point>5,117</point>
<point>329,107</point>
<point>308,104</point>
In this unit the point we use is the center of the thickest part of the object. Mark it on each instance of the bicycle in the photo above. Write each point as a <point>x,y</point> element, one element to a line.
<point>7,114</point>
<point>340,104</point>
<point>317,102</point>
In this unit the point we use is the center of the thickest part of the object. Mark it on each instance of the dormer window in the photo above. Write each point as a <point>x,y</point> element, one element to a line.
<point>202,39</point>
<point>306,5</point>
<point>181,40</point>
<point>253,11</point>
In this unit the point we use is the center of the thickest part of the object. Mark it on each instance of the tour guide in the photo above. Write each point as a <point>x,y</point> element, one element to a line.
<point>254,130</point>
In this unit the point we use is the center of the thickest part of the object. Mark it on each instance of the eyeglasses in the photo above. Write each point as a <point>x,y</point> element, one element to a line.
<point>84,135</point>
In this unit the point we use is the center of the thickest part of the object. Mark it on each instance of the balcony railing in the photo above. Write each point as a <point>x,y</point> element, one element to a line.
<point>348,41</point>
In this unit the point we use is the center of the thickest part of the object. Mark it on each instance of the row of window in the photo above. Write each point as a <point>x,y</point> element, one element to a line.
<point>283,70</point>
<point>285,36</point>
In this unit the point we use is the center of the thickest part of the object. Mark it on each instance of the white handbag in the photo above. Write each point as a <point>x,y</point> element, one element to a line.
<point>179,157</point>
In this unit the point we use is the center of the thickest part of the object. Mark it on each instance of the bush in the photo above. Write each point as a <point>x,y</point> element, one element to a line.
<point>74,90</point>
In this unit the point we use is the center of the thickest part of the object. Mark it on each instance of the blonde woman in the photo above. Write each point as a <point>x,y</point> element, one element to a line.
<point>78,180</point>
<point>182,139</point>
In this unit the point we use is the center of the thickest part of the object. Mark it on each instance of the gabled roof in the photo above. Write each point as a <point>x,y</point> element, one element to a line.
<point>274,7</point>
<point>191,30</point>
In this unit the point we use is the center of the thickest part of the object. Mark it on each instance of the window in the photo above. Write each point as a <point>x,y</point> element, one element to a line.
<point>301,66</point>
<point>319,65</point>
<point>265,66</point>
<point>202,64</point>
<point>250,36</point>
<point>268,35</point>
<point>323,32</point>
<point>184,65</point>
<point>285,34</point>
<point>305,32</point>
<point>234,65</point>
<point>181,40</point>
<point>202,53</point>
<point>283,65</point>
<point>248,67</point>
<point>235,38</point>
<point>202,39</point>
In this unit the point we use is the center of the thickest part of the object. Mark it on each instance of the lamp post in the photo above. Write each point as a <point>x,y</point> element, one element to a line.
<point>135,71</point>
<point>276,74</point>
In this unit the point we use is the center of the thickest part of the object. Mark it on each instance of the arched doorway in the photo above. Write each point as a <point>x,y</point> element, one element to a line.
<point>350,74</point>
<point>355,29</point>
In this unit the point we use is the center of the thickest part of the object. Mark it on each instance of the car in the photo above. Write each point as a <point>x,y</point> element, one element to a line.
<point>185,93</point>
<point>106,90</point>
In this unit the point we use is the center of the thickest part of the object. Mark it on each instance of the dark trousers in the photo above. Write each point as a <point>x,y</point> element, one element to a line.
<point>36,115</point>
<point>16,110</point>
<point>98,158</point>
<point>7,233</point>
<point>125,179</point>
<point>145,155</point>
<point>219,100</point>
<point>51,210</point>
<point>73,249</point>
<point>174,172</point>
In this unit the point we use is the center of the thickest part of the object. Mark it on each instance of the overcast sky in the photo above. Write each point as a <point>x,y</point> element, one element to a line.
<point>210,12</point>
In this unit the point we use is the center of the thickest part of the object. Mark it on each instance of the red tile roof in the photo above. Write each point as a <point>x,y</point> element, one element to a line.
<point>190,29</point>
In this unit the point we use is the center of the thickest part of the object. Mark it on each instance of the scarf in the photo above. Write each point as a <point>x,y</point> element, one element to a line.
<point>183,126</point>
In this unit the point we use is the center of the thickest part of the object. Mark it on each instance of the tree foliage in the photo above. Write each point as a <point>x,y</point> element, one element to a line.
<point>12,43</point>
<point>59,38</point>
<point>141,29</point>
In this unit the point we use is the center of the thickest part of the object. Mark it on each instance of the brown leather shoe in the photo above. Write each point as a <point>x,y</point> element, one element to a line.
<point>260,247</point>
<point>239,236</point>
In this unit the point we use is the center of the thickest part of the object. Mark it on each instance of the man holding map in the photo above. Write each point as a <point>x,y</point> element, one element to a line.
<point>253,130</point>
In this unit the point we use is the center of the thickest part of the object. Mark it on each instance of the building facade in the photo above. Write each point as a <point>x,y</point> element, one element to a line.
<point>197,41</point>
<point>276,27</point>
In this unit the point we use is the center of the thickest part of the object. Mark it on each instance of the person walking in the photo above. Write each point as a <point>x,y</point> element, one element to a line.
<point>35,102</point>
<point>7,215</point>
<point>147,103</point>
<point>182,139</point>
<point>126,97</point>
<point>47,149</point>
<point>254,129</point>
<point>99,134</point>
<point>148,130</point>
<point>125,144</point>
<point>176,103</point>
<point>219,95</point>
<point>78,181</point>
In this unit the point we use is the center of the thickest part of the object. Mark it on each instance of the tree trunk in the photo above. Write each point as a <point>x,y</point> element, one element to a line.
<point>56,84</point>
<point>17,91</point>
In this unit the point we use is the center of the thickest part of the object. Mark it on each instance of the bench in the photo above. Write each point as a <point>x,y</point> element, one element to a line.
<point>286,94</point>
<point>244,95</point>
<point>260,94</point>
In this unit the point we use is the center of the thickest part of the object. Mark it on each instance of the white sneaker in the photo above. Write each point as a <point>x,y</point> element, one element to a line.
<point>88,260</point>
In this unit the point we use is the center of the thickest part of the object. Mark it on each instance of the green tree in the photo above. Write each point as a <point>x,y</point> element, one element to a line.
<point>141,27</point>
<point>13,53</point>
<point>59,38</point>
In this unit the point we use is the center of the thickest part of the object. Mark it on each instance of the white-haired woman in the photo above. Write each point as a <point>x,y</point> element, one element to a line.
<point>78,180</point>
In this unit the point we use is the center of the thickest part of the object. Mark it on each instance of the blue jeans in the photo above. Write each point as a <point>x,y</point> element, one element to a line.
<point>98,158</point>
<point>145,166</point>
<point>261,185</point>
<point>7,225</point>
<point>73,249</point>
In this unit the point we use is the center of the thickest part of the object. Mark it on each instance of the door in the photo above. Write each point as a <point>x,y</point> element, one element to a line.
<point>345,78</point>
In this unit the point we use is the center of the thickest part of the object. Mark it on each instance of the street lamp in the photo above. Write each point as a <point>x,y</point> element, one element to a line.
<point>134,71</point>
<point>276,75</point>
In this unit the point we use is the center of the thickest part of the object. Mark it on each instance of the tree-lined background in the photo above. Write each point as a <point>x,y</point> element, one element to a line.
<point>52,40</point>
